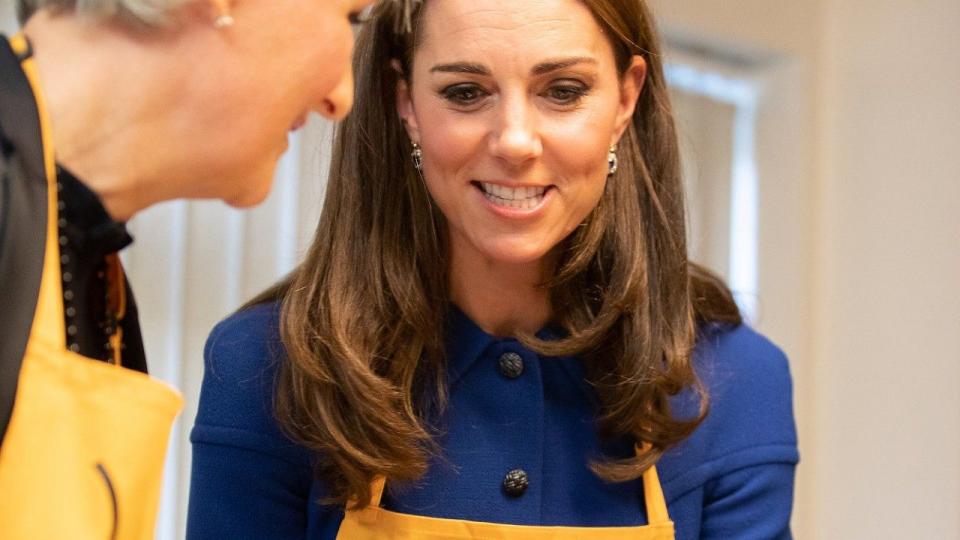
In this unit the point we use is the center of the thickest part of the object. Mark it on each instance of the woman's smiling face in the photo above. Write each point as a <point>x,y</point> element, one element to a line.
<point>515,106</point>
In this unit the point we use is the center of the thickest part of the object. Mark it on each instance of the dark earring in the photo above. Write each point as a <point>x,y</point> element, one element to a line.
<point>417,157</point>
<point>612,163</point>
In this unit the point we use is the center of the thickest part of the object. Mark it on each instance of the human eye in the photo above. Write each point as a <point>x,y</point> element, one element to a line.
<point>463,94</point>
<point>566,92</point>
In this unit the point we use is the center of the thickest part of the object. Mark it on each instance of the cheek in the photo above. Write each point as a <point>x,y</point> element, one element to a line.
<point>584,159</point>
<point>578,155</point>
<point>450,143</point>
<point>308,57</point>
<point>330,63</point>
<point>447,134</point>
<point>582,199</point>
<point>581,144</point>
<point>581,162</point>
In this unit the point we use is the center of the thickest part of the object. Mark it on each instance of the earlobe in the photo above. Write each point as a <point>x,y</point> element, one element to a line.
<point>630,88</point>
<point>405,106</point>
<point>222,16</point>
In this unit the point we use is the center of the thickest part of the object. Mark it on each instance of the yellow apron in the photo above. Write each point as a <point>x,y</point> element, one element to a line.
<point>83,454</point>
<point>377,523</point>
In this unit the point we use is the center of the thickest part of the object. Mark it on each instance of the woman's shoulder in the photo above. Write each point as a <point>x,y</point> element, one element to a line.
<point>244,350</point>
<point>245,343</point>
<point>750,420</point>
<point>249,480</point>
<point>241,359</point>
<point>747,378</point>
<point>725,354</point>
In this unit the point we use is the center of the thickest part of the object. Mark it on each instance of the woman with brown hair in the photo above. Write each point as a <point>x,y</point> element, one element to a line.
<point>497,332</point>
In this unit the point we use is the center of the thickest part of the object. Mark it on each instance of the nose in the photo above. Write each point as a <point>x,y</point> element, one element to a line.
<point>337,103</point>
<point>517,139</point>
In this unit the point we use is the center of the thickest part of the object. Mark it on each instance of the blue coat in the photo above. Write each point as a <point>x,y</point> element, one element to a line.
<point>733,478</point>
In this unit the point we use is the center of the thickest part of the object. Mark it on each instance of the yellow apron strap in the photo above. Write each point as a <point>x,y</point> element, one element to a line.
<point>653,498</point>
<point>48,323</point>
<point>376,490</point>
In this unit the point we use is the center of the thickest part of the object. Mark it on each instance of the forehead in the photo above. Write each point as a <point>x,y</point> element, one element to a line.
<point>518,29</point>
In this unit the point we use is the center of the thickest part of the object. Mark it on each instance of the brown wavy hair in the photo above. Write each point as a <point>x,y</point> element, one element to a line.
<point>363,317</point>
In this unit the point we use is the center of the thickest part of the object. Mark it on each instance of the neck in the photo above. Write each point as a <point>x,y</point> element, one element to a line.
<point>106,107</point>
<point>502,299</point>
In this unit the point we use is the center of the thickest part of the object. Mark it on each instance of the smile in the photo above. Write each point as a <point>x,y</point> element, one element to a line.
<point>522,197</point>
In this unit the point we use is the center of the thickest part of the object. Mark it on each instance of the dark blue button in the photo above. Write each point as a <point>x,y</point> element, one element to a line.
<point>511,365</point>
<point>516,483</point>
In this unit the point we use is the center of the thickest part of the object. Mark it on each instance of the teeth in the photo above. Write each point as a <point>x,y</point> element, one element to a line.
<point>523,204</point>
<point>513,194</point>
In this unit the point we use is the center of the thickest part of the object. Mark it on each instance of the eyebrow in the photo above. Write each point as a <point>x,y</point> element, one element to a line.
<point>540,69</point>
<point>460,67</point>
<point>561,63</point>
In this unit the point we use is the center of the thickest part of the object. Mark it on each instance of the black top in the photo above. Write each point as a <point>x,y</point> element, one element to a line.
<point>87,236</point>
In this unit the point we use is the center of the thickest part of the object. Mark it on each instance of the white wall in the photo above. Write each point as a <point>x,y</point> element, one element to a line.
<point>8,19</point>
<point>887,339</point>
<point>871,216</point>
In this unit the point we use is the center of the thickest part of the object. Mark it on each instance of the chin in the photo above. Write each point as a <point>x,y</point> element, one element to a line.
<point>252,197</point>
<point>247,199</point>
<point>515,251</point>
<point>252,190</point>
<point>244,202</point>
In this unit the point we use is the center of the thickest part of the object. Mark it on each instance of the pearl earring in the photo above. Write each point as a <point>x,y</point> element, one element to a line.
<point>224,19</point>
<point>612,162</point>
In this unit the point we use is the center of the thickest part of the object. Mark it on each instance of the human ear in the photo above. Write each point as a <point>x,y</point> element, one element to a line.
<point>405,104</point>
<point>219,8</point>
<point>631,84</point>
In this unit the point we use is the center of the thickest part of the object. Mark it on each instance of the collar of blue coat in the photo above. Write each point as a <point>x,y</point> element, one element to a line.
<point>466,343</point>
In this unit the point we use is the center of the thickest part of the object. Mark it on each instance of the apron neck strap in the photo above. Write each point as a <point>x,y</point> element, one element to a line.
<point>653,498</point>
<point>48,325</point>
<point>376,490</point>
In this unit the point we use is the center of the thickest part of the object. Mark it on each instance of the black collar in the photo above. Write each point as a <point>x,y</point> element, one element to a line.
<point>94,232</point>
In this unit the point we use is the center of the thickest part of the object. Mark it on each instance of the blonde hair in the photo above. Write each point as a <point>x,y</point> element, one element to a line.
<point>147,12</point>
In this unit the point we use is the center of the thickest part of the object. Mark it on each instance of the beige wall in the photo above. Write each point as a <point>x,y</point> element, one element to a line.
<point>888,332</point>
<point>876,344</point>
<point>8,20</point>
